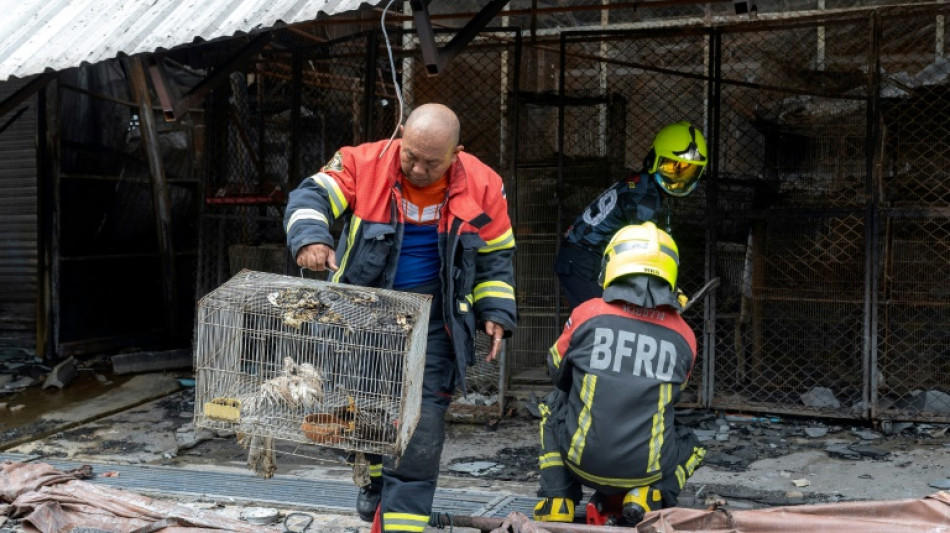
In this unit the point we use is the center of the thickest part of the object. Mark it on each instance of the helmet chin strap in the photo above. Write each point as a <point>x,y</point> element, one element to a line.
<point>669,211</point>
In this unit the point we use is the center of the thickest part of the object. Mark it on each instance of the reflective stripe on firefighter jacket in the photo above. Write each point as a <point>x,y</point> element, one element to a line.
<point>622,367</point>
<point>476,242</point>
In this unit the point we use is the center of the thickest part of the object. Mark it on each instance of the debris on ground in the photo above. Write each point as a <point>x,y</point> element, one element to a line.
<point>62,374</point>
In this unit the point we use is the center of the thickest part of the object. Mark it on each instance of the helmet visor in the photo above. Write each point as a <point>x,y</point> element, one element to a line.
<point>679,172</point>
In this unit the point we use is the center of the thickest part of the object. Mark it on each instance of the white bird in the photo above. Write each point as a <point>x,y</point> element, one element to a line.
<point>296,387</point>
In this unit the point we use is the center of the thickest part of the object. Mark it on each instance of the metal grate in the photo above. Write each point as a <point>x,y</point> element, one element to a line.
<point>311,362</point>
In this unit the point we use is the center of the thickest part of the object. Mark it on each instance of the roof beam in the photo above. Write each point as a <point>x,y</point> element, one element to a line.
<point>28,90</point>
<point>172,107</point>
<point>436,58</point>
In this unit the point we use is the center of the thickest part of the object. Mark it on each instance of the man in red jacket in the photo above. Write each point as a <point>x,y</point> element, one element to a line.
<point>618,368</point>
<point>422,216</point>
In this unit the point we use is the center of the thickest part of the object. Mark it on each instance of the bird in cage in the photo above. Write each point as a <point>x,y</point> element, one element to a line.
<point>297,386</point>
<point>300,306</point>
<point>352,353</point>
<point>403,321</point>
<point>374,424</point>
<point>260,456</point>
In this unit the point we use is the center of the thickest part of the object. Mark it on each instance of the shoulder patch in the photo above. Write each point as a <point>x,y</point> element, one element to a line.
<point>633,180</point>
<point>335,164</point>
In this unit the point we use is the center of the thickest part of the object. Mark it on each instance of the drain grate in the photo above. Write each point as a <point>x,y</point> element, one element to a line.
<point>316,494</point>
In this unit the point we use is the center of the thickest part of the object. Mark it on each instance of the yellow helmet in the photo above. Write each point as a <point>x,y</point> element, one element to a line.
<point>641,249</point>
<point>679,158</point>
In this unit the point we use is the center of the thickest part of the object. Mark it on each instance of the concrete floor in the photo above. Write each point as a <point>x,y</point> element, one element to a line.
<point>146,422</point>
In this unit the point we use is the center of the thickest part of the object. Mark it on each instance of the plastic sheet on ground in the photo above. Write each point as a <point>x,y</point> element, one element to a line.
<point>930,514</point>
<point>49,501</point>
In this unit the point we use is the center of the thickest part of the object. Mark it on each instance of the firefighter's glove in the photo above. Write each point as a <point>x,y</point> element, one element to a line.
<point>681,298</point>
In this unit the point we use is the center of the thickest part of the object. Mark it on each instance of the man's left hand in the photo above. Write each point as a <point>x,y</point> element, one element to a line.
<point>496,332</point>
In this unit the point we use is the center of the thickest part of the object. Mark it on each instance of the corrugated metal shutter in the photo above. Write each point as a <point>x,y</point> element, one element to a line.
<point>18,211</point>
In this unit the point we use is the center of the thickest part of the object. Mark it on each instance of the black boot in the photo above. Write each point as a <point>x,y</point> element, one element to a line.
<point>638,502</point>
<point>368,500</point>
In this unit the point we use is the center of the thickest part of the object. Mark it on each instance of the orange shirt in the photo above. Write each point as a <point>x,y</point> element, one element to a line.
<point>419,259</point>
<point>423,205</point>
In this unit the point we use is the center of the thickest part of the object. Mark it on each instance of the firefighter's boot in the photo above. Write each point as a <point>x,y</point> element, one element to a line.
<point>638,502</point>
<point>554,510</point>
<point>368,500</point>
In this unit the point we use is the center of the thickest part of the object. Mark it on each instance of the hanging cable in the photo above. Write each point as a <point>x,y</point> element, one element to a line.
<point>392,66</point>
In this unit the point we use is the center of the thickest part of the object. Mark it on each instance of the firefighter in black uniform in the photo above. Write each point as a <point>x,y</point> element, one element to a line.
<point>671,169</point>
<point>618,368</point>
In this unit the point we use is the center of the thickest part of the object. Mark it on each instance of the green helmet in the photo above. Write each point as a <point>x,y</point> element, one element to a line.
<point>680,158</point>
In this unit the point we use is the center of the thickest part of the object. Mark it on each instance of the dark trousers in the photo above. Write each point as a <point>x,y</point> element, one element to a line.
<point>578,270</point>
<point>408,487</point>
<point>556,479</point>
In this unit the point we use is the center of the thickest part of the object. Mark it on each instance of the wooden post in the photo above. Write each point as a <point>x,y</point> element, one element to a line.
<point>47,202</point>
<point>759,229</point>
<point>160,204</point>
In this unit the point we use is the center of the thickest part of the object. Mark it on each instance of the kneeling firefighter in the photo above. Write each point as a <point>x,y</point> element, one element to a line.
<point>618,369</point>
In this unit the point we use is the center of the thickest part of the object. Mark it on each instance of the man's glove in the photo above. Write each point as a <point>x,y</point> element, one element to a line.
<point>682,299</point>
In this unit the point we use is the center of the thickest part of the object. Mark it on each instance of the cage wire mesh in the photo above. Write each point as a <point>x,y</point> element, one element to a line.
<point>549,192</point>
<point>790,317</point>
<point>913,304</point>
<point>311,362</point>
<point>795,148</point>
<point>533,195</point>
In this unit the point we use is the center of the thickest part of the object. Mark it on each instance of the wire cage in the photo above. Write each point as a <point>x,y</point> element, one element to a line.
<point>311,362</point>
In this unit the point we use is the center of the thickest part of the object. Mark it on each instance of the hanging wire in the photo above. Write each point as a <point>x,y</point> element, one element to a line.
<point>392,66</point>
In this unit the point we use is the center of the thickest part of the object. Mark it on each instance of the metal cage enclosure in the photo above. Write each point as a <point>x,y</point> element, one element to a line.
<point>311,362</point>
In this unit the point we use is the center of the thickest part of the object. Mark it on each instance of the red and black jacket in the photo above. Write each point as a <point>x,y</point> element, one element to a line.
<point>623,367</point>
<point>476,242</point>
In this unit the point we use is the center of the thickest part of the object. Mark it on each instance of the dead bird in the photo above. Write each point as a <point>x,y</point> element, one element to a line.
<point>296,386</point>
<point>260,457</point>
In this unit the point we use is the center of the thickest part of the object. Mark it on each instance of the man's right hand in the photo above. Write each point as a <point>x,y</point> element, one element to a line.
<point>317,257</point>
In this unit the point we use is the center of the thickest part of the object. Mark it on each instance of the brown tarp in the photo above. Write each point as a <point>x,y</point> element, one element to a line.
<point>926,515</point>
<point>51,501</point>
<point>930,514</point>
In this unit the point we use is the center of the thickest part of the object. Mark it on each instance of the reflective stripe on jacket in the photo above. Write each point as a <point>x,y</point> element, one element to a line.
<point>476,242</point>
<point>622,367</point>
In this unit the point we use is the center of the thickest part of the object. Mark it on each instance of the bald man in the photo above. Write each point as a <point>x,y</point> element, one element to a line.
<point>420,215</point>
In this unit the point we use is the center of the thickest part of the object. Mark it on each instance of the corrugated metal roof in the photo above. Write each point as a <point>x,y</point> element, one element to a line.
<point>58,34</point>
